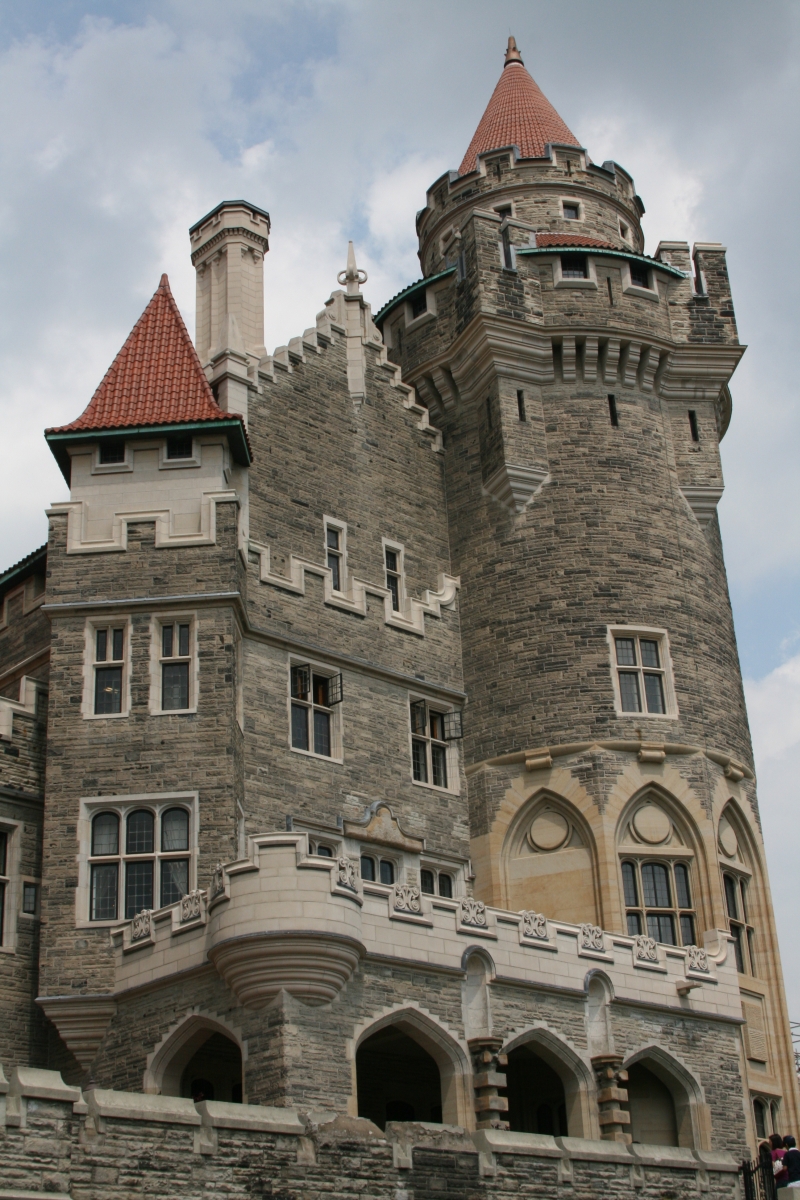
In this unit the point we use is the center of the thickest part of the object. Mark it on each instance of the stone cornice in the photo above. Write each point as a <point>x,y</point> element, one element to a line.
<point>646,751</point>
<point>224,235</point>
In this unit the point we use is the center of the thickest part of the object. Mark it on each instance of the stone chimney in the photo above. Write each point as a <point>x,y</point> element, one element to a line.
<point>228,248</point>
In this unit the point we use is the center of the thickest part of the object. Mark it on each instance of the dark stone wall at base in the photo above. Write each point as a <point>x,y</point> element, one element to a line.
<point>61,1153</point>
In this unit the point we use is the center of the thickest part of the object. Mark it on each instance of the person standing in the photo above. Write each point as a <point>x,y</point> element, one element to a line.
<point>791,1161</point>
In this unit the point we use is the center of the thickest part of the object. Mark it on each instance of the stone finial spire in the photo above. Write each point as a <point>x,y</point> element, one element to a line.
<point>353,276</point>
<point>512,53</point>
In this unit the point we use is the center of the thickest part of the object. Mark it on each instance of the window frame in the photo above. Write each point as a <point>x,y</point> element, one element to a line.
<point>336,722</point>
<point>90,665</point>
<point>665,670</point>
<point>571,202</point>
<point>165,463</point>
<point>437,872</point>
<point>744,945</point>
<point>451,753</point>
<point>339,527</point>
<point>673,909</point>
<point>379,859</point>
<point>629,288</point>
<point>122,806</point>
<point>388,546</point>
<point>158,622</point>
<point>589,281</point>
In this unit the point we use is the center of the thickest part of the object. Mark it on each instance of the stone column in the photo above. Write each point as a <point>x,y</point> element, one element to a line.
<point>488,1078</point>
<point>614,1120</point>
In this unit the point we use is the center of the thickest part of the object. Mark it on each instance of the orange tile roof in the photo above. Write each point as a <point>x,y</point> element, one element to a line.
<point>518,114</point>
<point>571,239</point>
<point>156,379</point>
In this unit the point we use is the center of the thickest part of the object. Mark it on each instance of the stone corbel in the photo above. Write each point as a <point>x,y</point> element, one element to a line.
<point>703,502</point>
<point>652,752</point>
<point>81,1022</point>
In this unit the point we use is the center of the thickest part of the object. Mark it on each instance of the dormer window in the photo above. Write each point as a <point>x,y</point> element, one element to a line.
<point>572,212</point>
<point>179,445</point>
<point>640,275</point>
<point>111,453</point>
<point>573,266</point>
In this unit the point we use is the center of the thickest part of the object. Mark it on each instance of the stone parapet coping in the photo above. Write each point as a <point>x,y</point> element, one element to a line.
<point>101,1104</point>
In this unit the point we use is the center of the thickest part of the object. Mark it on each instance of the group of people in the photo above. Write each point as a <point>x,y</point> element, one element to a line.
<point>784,1156</point>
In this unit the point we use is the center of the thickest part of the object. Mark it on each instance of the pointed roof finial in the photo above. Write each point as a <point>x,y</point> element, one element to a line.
<point>512,53</point>
<point>353,276</point>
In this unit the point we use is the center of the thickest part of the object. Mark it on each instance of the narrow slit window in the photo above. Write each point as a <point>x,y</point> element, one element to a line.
<point>4,882</point>
<point>489,417</point>
<point>175,666</point>
<point>508,253</point>
<point>333,543</point>
<point>109,670</point>
<point>610,291</point>
<point>394,576</point>
<point>521,406</point>
<point>693,425</point>
<point>612,411</point>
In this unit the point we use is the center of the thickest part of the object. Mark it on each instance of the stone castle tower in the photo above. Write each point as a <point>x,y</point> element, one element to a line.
<point>397,777</point>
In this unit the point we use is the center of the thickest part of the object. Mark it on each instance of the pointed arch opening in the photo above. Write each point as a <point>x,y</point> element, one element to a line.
<point>549,861</point>
<point>201,1059</point>
<point>666,1102</point>
<point>409,1068</point>
<point>550,1087</point>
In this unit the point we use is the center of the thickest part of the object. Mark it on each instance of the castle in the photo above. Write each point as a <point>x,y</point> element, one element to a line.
<point>377,798</point>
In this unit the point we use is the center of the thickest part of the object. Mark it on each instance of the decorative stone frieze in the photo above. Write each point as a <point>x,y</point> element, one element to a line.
<point>645,949</point>
<point>407,898</point>
<point>591,938</point>
<point>191,906</point>
<point>534,925</point>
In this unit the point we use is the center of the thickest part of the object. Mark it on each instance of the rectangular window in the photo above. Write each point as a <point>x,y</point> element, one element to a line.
<point>573,266</point>
<point>429,744</point>
<point>394,575</point>
<point>109,664</point>
<point>176,664</point>
<point>335,563</point>
<point>640,275</point>
<point>179,445</point>
<point>654,894</point>
<point>640,671</point>
<point>419,303</point>
<point>571,212</point>
<point>313,699</point>
<point>104,891</point>
<point>112,452</point>
<point>432,882</point>
<point>29,898</point>
<point>138,888</point>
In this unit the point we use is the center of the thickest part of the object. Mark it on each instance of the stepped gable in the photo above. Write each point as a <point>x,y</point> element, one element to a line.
<point>156,379</point>
<point>518,114</point>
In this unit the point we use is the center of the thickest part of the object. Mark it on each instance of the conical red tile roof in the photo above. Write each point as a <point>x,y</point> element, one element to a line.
<point>156,379</point>
<point>518,114</point>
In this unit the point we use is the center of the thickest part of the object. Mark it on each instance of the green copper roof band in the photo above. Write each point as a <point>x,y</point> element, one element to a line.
<point>409,291</point>
<point>601,252</point>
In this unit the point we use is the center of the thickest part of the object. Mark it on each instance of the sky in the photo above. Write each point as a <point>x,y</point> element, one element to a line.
<point>127,121</point>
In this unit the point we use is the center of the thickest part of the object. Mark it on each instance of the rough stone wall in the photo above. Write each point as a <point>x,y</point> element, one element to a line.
<point>22,1029</point>
<point>139,753</point>
<point>59,1152</point>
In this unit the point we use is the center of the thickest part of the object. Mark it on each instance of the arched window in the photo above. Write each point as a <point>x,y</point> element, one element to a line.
<point>149,864</point>
<point>658,901</point>
<point>397,1079</point>
<point>760,1114</point>
<point>105,870</point>
<point>741,930</point>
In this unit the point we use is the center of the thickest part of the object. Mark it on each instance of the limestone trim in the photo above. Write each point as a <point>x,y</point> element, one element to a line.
<point>81,1022</point>
<point>515,484</point>
<point>539,756</point>
<point>411,618</point>
<point>314,967</point>
<point>450,1053</point>
<point>29,690</point>
<point>162,518</point>
<point>166,1062</point>
<point>692,1113</point>
<point>703,502</point>
<point>665,671</point>
<point>572,1067</point>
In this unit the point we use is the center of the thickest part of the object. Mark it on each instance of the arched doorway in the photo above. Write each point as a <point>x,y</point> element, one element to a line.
<point>652,1108</point>
<point>397,1079</point>
<point>536,1097</point>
